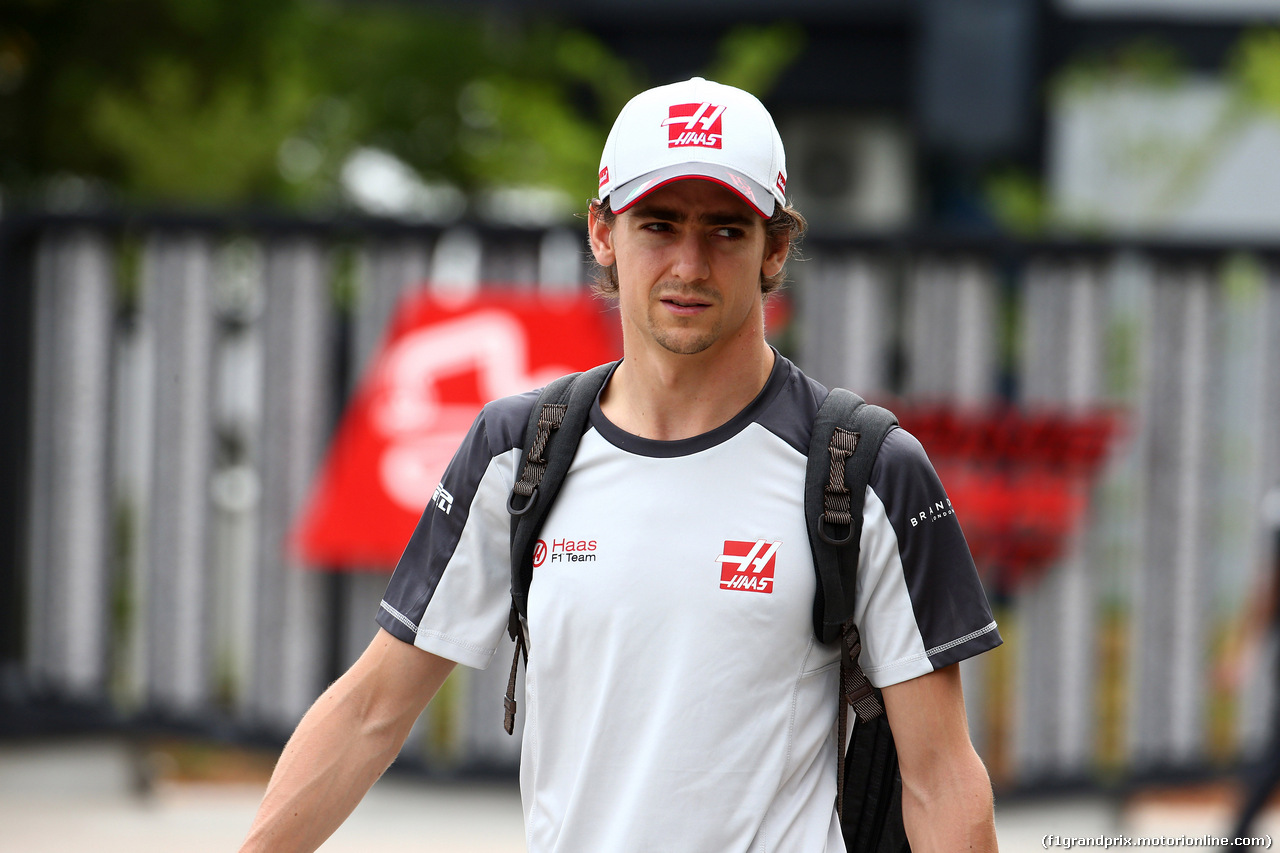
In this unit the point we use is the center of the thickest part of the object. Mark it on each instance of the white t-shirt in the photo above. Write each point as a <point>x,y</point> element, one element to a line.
<point>676,696</point>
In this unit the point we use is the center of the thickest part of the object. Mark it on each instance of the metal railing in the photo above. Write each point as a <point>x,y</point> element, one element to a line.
<point>185,375</point>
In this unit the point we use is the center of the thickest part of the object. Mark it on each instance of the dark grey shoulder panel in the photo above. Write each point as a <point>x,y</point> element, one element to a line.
<point>950,604</point>
<point>497,429</point>
<point>505,420</point>
<point>791,412</point>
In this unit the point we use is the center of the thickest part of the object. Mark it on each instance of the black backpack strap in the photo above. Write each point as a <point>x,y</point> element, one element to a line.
<point>847,435</point>
<point>556,423</point>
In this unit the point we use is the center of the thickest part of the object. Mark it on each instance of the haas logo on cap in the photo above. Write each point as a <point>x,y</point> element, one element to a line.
<point>694,124</point>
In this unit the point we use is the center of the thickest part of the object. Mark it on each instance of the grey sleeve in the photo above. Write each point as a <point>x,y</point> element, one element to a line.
<point>922,604</point>
<point>462,530</point>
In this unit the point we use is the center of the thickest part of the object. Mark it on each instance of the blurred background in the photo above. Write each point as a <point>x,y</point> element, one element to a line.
<point>1047,232</point>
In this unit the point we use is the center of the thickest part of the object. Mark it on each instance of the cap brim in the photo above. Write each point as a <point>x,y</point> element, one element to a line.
<point>758,197</point>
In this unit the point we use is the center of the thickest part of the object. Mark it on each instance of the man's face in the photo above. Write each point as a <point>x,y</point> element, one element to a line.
<point>689,259</point>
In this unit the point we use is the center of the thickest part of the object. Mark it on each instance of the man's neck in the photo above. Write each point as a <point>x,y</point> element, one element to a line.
<point>666,396</point>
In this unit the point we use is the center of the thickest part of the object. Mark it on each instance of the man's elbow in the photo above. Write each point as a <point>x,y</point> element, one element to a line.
<point>947,773</point>
<point>950,805</point>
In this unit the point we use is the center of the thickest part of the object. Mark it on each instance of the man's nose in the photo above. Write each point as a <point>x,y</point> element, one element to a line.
<point>691,262</point>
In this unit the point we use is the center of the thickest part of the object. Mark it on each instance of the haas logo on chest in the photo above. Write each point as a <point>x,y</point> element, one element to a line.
<point>748,566</point>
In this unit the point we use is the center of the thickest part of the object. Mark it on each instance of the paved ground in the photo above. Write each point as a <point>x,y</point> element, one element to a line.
<point>80,796</point>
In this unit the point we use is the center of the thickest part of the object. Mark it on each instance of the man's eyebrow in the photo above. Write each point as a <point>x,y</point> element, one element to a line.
<point>666,214</point>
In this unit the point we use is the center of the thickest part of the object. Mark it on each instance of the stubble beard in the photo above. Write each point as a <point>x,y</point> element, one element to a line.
<point>675,337</point>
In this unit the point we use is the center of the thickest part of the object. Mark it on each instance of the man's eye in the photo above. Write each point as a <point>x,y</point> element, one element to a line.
<point>731,233</point>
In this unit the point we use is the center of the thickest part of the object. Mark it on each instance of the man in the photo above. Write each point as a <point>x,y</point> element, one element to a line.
<point>1246,644</point>
<point>670,704</point>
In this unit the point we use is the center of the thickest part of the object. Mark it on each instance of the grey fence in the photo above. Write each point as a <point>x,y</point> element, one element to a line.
<point>185,376</point>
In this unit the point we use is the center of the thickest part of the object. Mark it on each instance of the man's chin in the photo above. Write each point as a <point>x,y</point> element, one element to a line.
<point>690,344</point>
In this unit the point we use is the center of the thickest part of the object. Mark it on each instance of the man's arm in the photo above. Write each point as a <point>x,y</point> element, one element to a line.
<point>344,743</point>
<point>946,794</point>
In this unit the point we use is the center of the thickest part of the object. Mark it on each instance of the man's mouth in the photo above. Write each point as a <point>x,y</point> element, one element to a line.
<point>685,302</point>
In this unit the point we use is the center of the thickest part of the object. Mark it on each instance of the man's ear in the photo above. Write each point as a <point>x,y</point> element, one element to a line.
<point>775,257</point>
<point>601,238</point>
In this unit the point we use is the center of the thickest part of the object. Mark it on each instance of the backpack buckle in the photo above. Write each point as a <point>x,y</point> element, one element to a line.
<point>847,523</point>
<point>528,505</point>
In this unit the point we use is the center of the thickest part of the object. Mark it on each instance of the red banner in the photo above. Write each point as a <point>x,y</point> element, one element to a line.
<point>1019,480</point>
<point>442,360</point>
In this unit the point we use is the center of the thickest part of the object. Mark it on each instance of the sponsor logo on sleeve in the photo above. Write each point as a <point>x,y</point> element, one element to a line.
<point>936,511</point>
<point>442,499</point>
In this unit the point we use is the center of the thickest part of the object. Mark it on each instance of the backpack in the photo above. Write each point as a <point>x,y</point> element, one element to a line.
<point>847,434</point>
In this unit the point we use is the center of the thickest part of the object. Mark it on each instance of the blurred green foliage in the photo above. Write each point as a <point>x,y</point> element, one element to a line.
<point>1255,69</point>
<point>1147,60</point>
<point>234,101</point>
<point>1018,199</point>
<point>169,136</point>
<point>752,57</point>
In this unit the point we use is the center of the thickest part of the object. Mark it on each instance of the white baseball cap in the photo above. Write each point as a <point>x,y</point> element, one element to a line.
<point>694,129</point>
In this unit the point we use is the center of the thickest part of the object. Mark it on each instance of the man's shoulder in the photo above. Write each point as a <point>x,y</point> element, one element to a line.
<point>504,419</point>
<point>793,406</point>
<point>901,454</point>
<point>791,416</point>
